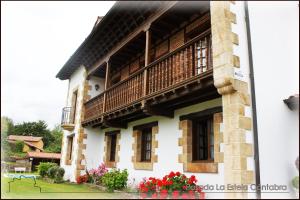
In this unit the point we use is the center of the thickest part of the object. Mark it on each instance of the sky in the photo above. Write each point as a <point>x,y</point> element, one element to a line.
<point>37,38</point>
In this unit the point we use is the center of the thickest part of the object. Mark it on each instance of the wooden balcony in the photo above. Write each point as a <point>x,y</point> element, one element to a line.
<point>175,80</point>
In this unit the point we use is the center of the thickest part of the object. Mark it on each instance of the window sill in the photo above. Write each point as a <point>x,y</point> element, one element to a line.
<point>110,164</point>
<point>68,162</point>
<point>202,167</point>
<point>143,165</point>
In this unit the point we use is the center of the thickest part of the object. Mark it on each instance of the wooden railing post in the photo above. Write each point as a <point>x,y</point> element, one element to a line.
<point>147,61</point>
<point>106,84</point>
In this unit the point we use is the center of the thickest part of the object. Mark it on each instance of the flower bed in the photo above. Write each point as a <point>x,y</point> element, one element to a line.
<point>112,180</point>
<point>173,185</point>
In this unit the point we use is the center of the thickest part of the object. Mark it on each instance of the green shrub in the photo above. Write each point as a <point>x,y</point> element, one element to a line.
<point>58,178</point>
<point>115,179</point>
<point>19,146</point>
<point>44,167</point>
<point>52,172</point>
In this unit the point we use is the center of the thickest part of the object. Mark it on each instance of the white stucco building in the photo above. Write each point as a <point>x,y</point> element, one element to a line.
<point>191,87</point>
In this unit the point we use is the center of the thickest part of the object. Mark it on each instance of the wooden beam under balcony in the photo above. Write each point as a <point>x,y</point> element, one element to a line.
<point>114,124</point>
<point>157,111</point>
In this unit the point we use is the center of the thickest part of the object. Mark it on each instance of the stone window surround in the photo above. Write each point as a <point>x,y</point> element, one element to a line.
<point>69,151</point>
<point>107,140</point>
<point>136,146</point>
<point>185,124</point>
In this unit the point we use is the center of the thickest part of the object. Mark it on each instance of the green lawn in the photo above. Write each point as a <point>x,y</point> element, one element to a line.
<point>24,189</point>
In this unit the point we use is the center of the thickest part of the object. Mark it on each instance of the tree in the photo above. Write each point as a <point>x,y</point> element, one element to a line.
<point>37,129</point>
<point>55,146</point>
<point>7,126</point>
<point>19,146</point>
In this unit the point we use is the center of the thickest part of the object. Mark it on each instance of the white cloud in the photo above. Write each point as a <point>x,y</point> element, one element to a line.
<point>37,38</point>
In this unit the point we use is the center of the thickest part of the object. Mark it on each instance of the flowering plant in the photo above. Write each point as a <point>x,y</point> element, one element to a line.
<point>82,179</point>
<point>97,173</point>
<point>176,185</point>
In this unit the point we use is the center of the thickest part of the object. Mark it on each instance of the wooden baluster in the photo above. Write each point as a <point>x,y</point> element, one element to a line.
<point>178,67</point>
<point>192,62</point>
<point>201,56</point>
<point>164,74</point>
<point>186,64</point>
<point>173,69</point>
<point>134,87</point>
<point>128,95</point>
<point>113,98</point>
<point>118,94</point>
<point>125,85</point>
<point>141,85</point>
<point>189,61</point>
<point>160,76</point>
<point>196,58</point>
<point>131,90</point>
<point>206,52</point>
<point>155,78</point>
<point>170,71</point>
<point>150,80</point>
<point>181,66</point>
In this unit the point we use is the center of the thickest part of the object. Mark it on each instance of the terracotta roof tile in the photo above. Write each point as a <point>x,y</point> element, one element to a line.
<point>43,155</point>
<point>24,138</point>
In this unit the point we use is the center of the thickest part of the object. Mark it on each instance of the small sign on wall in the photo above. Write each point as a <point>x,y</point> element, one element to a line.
<point>238,74</point>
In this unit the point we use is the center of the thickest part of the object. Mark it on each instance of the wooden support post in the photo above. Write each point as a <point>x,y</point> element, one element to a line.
<point>107,82</point>
<point>147,60</point>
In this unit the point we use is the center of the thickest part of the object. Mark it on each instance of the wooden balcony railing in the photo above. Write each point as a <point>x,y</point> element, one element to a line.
<point>94,107</point>
<point>187,61</point>
<point>172,69</point>
<point>125,92</point>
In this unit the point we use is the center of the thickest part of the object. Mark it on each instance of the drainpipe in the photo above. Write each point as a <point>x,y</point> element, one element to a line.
<point>253,99</point>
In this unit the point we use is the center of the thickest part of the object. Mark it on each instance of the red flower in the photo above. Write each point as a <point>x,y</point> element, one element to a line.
<point>177,173</point>
<point>170,182</point>
<point>144,189</point>
<point>192,180</point>
<point>192,194</point>
<point>175,194</point>
<point>164,191</point>
<point>164,182</point>
<point>163,194</point>
<point>185,196</point>
<point>199,189</point>
<point>184,187</point>
<point>183,176</point>
<point>159,183</point>
<point>165,178</point>
<point>154,196</point>
<point>143,195</point>
<point>172,174</point>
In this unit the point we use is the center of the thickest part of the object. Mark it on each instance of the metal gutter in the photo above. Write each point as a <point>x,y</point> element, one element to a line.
<point>253,99</point>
